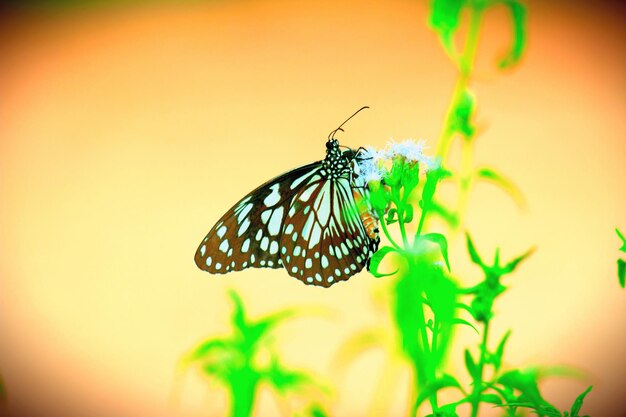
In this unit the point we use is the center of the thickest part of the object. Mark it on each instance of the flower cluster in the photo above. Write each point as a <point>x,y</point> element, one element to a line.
<point>379,163</point>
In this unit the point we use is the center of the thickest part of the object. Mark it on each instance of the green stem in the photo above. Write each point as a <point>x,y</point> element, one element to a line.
<point>478,380</point>
<point>427,353</point>
<point>462,82</point>
<point>421,223</point>
<point>466,175</point>
<point>242,395</point>
<point>386,231</point>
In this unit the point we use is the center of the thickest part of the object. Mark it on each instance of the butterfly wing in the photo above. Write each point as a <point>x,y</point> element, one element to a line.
<point>248,235</point>
<point>324,240</point>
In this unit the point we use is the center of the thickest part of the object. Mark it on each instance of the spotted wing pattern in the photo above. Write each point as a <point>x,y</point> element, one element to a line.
<point>306,221</point>
<point>248,235</point>
<point>324,240</point>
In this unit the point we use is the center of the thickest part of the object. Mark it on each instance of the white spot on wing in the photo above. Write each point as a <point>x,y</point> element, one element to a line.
<point>245,246</point>
<point>202,250</point>
<point>221,231</point>
<point>324,261</point>
<point>306,230</point>
<point>244,226</point>
<point>306,194</point>
<point>274,247</point>
<point>315,236</point>
<point>209,261</point>
<point>275,222</point>
<point>264,243</point>
<point>224,246</point>
<point>300,180</point>
<point>244,213</point>
<point>273,197</point>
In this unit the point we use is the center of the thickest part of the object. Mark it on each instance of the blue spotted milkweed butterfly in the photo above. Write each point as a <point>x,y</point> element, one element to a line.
<point>315,221</point>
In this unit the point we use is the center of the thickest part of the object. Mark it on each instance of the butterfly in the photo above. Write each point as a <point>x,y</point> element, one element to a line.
<point>314,221</point>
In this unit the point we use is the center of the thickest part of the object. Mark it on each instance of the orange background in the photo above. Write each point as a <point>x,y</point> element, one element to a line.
<point>126,132</point>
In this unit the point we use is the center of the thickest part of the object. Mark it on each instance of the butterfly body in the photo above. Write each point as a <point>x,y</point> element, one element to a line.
<point>308,221</point>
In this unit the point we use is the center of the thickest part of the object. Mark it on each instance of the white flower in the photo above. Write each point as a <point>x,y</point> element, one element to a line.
<point>371,166</point>
<point>409,149</point>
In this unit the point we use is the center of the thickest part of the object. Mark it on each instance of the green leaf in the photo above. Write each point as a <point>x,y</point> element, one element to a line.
<point>432,178</point>
<point>445,214</point>
<point>510,267</point>
<point>498,179</point>
<point>525,382</point>
<point>444,20</point>
<point>462,322</point>
<point>463,113</point>
<point>473,252</point>
<point>518,15</point>
<point>621,272</point>
<point>285,380</point>
<point>238,317</point>
<point>470,365</point>
<point>621,236</point>
<point>491,399</point>
<point>578,403</point>
<point>496,358</point>
<point>408,213</point>
<point>445,381</point>
<point>467,308</point>
<point>209,347</point>
<point>391,215</point>
<point>440,240</point>
<point>377,259</point>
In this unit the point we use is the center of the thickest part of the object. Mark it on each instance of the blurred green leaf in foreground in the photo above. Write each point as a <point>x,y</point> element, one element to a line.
<point>245,360</point>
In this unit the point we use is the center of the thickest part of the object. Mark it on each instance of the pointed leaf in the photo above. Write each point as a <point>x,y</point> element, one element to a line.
<point>239,315</point>
<point>621,272</point>
<point>510,267</point>
<point>408,213</point>
<point>470,365</point>
<point>496,358</point>
<point>377,259</point>
<point>464,323</point>
<point>445,214</point>
<point>518,15</point>
<point>445,381</point>
<point>621,236</point>
<point>472,251</point>
<point>498,179</point>
<point>440,240</point>
<point>578,403</point>
<point>208,347</point>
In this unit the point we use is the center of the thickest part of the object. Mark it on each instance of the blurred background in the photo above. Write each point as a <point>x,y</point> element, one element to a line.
<point>127,130</point>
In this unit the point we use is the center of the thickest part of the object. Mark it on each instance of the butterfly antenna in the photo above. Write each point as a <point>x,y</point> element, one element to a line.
<point>332,134</point>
